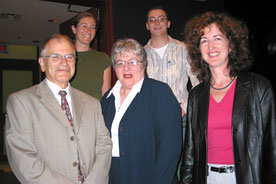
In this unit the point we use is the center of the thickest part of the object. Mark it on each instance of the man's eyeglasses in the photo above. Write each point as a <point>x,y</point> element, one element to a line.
<point>57,57</point>
<point>131,63</point>
<point>160,19</point>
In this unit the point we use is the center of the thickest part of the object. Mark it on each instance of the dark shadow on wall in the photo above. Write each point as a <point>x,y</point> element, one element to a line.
<point>130,16</point>
<point>261,21</point>
<point>8,178</point>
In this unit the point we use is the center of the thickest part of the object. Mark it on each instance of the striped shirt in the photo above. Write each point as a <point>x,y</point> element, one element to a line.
<point>173,69</point>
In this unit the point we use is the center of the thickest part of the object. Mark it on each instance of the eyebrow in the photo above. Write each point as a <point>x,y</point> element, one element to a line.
<point>86,24</point>
<point>220,35</point>
<point>128,59</point>
<point>158,16</point>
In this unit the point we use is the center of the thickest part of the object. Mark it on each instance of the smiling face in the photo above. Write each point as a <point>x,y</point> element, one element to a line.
<point>61,71</point>
<point>157,22</point>
<point>214,47</point>
<point>129,75</point>
<point>85,31</point>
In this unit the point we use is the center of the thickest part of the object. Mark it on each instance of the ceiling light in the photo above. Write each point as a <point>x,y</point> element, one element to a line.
<point>52,20</point>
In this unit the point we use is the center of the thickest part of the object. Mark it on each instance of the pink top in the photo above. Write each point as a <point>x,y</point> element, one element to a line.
<point>219,132</point>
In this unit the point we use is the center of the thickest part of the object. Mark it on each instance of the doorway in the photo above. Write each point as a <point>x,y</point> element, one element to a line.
<point>15,75</point>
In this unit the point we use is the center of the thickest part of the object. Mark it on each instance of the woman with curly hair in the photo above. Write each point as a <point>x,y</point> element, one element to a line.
<point>231,119</point>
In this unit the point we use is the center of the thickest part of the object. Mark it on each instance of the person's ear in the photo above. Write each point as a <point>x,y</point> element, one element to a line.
<point>169,24</point>
<point>147,26</point>
<point>42,64</point>
<point>74,30</point>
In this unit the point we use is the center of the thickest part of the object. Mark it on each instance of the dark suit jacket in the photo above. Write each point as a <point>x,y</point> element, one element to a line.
<point>150,134</point>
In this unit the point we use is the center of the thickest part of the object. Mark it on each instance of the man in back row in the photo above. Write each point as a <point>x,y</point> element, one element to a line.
<point>168,57</point>
<point>55,133</point>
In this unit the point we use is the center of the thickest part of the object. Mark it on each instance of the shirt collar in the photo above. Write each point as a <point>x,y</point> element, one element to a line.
<point>55,88</point>
<point>117,87</point>
<point>150,40</point>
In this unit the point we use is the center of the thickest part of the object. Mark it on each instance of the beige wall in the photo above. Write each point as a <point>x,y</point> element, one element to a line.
<point>14,80</point>
<point>20,52</point>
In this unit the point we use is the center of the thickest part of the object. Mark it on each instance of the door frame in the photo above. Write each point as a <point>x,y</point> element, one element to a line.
<point>13,64</point>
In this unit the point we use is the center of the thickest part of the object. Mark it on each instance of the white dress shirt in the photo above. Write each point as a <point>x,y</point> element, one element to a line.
<point>55,89</point>
<point>120,111</point>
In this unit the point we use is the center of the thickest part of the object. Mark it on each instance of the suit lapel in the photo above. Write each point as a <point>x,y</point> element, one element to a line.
<point>109,110</point>
<point>138,99</point>
<point>77,105</point>
<point>203,100</point>
<point>49,100</point>
<point>131,110</point>
<point>241,92</point>
<point>109,107</point>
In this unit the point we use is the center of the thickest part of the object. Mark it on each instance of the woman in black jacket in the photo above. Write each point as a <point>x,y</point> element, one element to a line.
<point>231,128</point>
<point>144,119</point>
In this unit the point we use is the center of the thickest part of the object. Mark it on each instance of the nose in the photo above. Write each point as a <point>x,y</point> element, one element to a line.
<point>87,30</point>
<point>63,61</point>
<point>156,21</point>
<point>126,66</point>
<point>211,45</point>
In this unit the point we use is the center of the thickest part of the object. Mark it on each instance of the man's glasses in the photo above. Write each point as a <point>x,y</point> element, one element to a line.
<point>160,19</point>
<point>57,57</point>
<point>130,63</point>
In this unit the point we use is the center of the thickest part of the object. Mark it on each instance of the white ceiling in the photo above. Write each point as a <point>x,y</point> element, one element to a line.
<point>33,24</point>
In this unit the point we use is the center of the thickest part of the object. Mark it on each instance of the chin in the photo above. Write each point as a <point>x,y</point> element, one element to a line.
<point>64,78</point>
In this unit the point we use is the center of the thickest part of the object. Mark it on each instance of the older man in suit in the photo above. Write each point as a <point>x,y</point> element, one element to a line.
<point>50,144</point>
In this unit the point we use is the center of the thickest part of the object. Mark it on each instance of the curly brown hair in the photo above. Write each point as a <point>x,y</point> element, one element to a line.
<point>235,31</point>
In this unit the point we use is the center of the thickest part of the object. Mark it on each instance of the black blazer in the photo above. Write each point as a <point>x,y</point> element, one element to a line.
<point>253,132</point>
<point>150,134</point>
